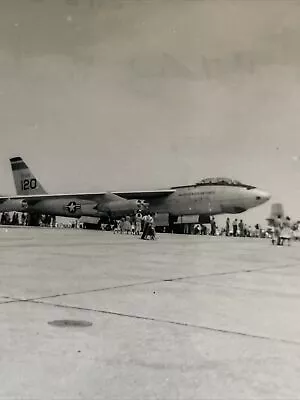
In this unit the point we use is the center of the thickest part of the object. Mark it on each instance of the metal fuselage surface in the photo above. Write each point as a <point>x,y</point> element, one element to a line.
<point>210,196</point>
<point>186,200</point>
<point>209,200</point>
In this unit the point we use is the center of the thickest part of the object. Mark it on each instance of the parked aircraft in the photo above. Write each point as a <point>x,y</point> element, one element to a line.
<point>208,197</point>
<point>277,210</point>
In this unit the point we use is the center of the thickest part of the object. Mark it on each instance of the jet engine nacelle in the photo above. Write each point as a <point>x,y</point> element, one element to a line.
<point>122,207</point>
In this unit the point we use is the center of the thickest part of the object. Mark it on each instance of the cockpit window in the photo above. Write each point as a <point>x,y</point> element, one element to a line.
<point>221,181</point>
<point>218,181</point>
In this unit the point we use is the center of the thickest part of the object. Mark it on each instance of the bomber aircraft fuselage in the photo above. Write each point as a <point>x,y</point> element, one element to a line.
<point>208,197</point>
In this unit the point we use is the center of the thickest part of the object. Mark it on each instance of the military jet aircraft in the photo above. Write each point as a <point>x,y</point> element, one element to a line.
<point>208,197</point>
<point>277,211</point>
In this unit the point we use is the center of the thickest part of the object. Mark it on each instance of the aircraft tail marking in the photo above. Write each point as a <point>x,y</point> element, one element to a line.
<point>25,182</point>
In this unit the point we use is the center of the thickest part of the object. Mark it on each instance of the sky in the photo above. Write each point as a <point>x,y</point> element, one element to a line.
<point>140,94</point>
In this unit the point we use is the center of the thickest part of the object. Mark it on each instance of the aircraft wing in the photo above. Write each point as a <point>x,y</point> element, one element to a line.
<point>92,196</point>
<point>104,196</point>
<point>145,195</point>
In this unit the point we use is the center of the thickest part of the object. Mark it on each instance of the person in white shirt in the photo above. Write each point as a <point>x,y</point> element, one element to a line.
<point>148,224</point>
<point>151,228</point>
<point>138,223</point>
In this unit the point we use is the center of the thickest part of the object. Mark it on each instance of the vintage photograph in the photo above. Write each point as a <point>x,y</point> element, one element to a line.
<point>149,215</point>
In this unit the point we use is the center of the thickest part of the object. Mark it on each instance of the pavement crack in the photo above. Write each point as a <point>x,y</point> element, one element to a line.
<point>170,322</point>
<point>94,290</point>
<point>157,281</point>
<point>10,301</point>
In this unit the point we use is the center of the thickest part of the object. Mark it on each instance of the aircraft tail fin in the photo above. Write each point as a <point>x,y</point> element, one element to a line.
<point>277,210</point>
<point>25,182</point>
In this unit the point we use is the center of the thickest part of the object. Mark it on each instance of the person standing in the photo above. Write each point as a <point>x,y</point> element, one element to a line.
<point>144,218</point>
<point>146,227</point>
<point>132,221</point>
<point>213,227</point>
<point>23,219</point>
<point>277,230</point>
<point>138,223</point>
<point>122,225</point>
<point>151,228</point>
<point>127,225</point>
<point>203,230</point>
<point>116,226</point>
<point>234,227</point>
<point>286,233</point>
<point>227,228</point>
<point>242,228</point>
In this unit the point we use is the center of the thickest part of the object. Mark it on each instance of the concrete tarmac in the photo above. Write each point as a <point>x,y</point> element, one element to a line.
<point>183,317</point>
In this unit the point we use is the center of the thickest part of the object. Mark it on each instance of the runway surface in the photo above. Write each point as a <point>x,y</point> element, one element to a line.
<point>184,317</point>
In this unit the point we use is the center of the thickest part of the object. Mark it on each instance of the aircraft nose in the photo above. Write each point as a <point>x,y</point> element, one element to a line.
<point>261,196</point>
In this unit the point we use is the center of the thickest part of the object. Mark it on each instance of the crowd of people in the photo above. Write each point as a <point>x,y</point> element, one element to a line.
<point>143,225</point>
<point>236,228</point>
<point>139,224</point>
<point>24,219</point>
<point>13,219</point>
<point>282,231</point>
